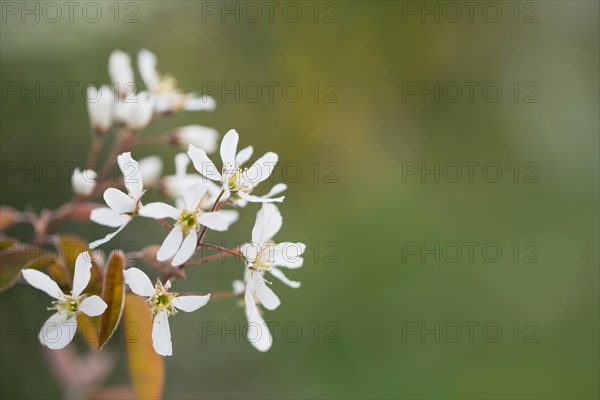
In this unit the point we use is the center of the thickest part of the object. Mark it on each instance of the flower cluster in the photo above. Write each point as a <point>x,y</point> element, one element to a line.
<point>209,199</point>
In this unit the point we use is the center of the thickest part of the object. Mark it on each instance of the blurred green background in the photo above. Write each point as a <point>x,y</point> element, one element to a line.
<point>358,276</point>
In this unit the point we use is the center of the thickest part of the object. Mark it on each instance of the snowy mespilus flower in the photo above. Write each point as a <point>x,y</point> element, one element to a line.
<point>121,72</point>
<point>59,329</point>
<point>263,255</point>
<point>164,88</point>
<point>121,207</point>
<point>163,305</point>
<point>135,111</point>
<point>100,108</point>
<point>83,182</point>
<point>189,218</point>
<point>200,136</point>
<point>235,180</point>
<point>151,169</point>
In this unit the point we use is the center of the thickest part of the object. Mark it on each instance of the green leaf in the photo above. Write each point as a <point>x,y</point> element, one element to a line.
<point>145,365</point>
<point>113,293</point>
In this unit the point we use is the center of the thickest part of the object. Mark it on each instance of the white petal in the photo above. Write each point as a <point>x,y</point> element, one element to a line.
<point>108,217</point>
<point>82,274</point>
<point>281,276</point>
<point>250,250</point>
<point>83,182</point>
<point>132,175</point>
<point>262,199</point>
<point>229,148</point>
<point>171,244</point>
<point>244,155</point>
<point>288,254</point>
<point>261,169</point>
<point>147,66</point>
<point>230,216</point>
<point>278,188</point>
<point>248,297</point>
<point>43,282</point>
<point>138,282</point>
<point>203,164</point>
<point>214,220</point>
<point>182,160</point>
<point>108,237</point>
<point>188,247</point>
<point>58,331</point>
<point>190,303</point>
<point>120,71</point>
<point>159,210</point>
<point>267,297</point>
<point>161,334</point>
<point>150,169</point>
<point>119,201</point>
<point>268,222</point>
<point>199,103</point>
<point>92,306</point>
<point>258,334</point>
<point>200,136</point>
<point>193,196</point>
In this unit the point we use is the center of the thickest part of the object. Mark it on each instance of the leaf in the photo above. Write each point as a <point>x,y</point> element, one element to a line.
<point>113,293</point>
<point>89,328</point>
<point>8,216</point>
<point>16,256</point>
<point>146,367</point>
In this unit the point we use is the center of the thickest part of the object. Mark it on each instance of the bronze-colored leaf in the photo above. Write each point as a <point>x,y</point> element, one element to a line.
<point>89,328</point>
<point>70,246</point>
<point>8,216</point>
<point>145,365</point>
<point>15,257</point>
<point>113,294</point>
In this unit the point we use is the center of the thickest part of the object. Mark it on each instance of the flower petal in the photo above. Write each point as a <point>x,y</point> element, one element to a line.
<point>108,237</point>
<point>263,199</point>
<point>147,66</point>
<point>244,155</point>
<point>193,196</point>
<point>267,297</point>
<point>258,334</point>
<point>171,244</point>
<point>58,330</point>
<point>119,201</point>
<point>281,276</point>
<point>43,282</point>
<point>199,103</point>
<point>161,334</point>
<point>230,216</point>
<point>288,254</point>
<point>188,247</point>
<point>138,282</point>
<point>214,220</point>
<point>203,164</point>
<point>190,303</point>
<point>229,148</point>
<point>82,274</point>
<point>132,175</point>
<point>159,210</point>
<point>268,222</point>
<point>92,306</point>
<point>262,168</point>
<point>278,188</point>
<point>108,217</point>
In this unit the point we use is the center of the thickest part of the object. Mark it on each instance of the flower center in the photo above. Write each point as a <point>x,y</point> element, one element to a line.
<point>188,220</point>
<point>67,304</point>
<point>264,258</point>
<point>162,301</point>
<point>236,179</point>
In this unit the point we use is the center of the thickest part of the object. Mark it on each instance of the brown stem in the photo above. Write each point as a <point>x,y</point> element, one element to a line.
<point>203,231</point>
<point>223,249</point>
<point>165,224</point>
<point>206,259</point>
<point>216,295</point>
<point>94,150</point>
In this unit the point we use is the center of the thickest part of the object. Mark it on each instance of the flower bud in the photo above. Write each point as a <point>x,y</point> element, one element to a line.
<point>199,136</point>
<point>83,182</point>
<point>150,168</point>
<point>99,105</point>
<point>136,111</point>
<point>121,72</point>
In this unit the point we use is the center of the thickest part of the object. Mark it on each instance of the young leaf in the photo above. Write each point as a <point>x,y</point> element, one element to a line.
<point>15,257</point>
<point>70,246</point>
<point>113,294</point>
<point>145,365</point>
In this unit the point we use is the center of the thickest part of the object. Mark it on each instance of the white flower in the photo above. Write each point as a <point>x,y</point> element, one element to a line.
<point>176,185</point>
<point>100,108</point>
<point>164,87</point>
<point>59,329</point>
<point>264,255</point>
<point>83,182</point>
<point>199,136</point>
<point>163,305</point>
<point>181,242</point>
<point>236,181</point>
<point>121,207</point>
<point>135,111</point>
<point>121,73</point>
<point>150,168</point>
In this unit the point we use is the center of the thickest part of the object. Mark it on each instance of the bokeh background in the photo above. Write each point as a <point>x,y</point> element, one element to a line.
<point>361,290</point>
